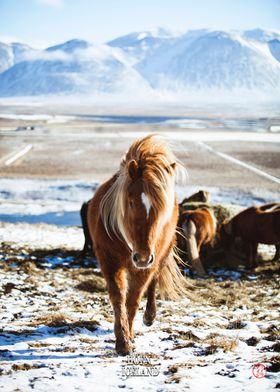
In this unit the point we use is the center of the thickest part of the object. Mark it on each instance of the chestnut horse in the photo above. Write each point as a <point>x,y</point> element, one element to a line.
<point>196,228</point>
<point>132,221</point>
<point>200,196</point>
<point>254,225</point>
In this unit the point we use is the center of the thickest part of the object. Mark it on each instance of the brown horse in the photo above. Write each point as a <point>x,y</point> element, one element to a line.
<point>196,228</point>
<point>254,225</point>
<point>200,196</point>
<point>132,220</point>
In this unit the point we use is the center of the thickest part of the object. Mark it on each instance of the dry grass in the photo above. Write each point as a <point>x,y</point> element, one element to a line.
<point>8,287</point>
<point>253,341</point>
<point>220,342</point>
<point>88,340</point>
<point>184,335</point>
<point>174,372</point>
<point>273,348</point>
<point>199,323</point>
<point>183,345</point>
<point>23,332</point>
<point>38,344</point>
<point>272,329</point>
<point>95,284</point>
<point>221,293</point>
<point>55,320</point>
<point>60,320</point>
<point>274,364</point>
<point>25,366</point>
<point>236,324</point>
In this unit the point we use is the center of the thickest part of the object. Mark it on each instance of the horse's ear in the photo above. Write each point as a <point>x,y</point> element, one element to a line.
<point>133,169</point>
<point>171,168</point>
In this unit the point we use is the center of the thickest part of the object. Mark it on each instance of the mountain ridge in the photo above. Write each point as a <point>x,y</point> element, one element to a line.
<point>151,62</point>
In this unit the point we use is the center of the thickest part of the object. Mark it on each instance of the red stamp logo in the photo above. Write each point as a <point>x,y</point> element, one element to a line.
<point>259,370</point>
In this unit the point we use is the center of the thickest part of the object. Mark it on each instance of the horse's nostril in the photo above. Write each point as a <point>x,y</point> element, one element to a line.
<point>151,259</point>
<point>136,257</point>
<point>142,262</point>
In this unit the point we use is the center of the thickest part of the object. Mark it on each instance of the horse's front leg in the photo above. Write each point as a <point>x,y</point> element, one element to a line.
<point>254,254</point>
<point>251,253</point>
<point>137,285</point>
<point>116,282</point>
<point>151,307</point>
<point>248,253</point>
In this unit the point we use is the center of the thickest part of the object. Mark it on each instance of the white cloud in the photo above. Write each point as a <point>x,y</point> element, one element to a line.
<point>51,3</point>
<point>33,43</point>
<point>8,39</point>
<point>47,56</point>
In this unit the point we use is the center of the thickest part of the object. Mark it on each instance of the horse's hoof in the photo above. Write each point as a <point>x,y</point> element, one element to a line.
<point>124,348</point>
<point>124,352</point>
<point>148,321</point>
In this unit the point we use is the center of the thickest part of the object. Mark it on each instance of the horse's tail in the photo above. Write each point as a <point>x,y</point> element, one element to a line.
<point>189,229</point>
<point>192,249</point>
<point>172,284</point>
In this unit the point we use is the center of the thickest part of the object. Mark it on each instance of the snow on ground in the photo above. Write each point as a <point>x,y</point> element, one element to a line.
<point>59,201</point>
<point>56,323</point>
<point>41,235</point>
<point>237,123</point>
<point>57,330</point>
<point>39,117</point>
<point>48,201</point>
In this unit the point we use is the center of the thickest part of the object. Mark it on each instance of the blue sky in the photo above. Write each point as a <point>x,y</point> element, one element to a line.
<point>44,22</point>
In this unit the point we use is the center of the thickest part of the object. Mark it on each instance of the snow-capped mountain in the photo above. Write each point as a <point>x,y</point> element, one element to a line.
<point>261,35</point>
<point>214,60</point>
<point>139,45</point>
<point>70,46</point>
<point>11,54</point>
<point>148,62</point>
<point>274,47</point>
<point>75,67</point>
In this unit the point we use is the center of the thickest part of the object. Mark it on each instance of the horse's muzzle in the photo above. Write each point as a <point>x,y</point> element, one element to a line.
<point>142,261</point>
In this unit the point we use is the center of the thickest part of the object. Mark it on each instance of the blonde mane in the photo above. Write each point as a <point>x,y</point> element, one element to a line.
<point>156,162</point>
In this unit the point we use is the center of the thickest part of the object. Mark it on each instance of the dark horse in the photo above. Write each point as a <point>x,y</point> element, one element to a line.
<point>88,248</point>
<point>254,225</point>
<point>132,221</point>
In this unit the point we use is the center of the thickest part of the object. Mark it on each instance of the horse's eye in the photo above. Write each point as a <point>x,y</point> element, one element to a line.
<point>130,204</point>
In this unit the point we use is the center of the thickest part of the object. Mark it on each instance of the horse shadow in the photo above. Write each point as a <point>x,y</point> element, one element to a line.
<point>28,355</point>
<point>9,338</point>
<point>57,257</point>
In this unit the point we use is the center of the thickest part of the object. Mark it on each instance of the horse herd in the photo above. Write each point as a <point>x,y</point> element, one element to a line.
<point>134,226</point>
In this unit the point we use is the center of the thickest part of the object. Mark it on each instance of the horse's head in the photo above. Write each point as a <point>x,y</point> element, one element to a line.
<point>141,200</point>
<point>149,202</point>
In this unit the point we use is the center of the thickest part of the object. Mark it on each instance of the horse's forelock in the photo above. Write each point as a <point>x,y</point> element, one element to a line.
<point>157,162</point>
<point>157,183</point>
<point>159,170</point>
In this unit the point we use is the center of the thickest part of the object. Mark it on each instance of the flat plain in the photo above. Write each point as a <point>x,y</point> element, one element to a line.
<point>56,326</point>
